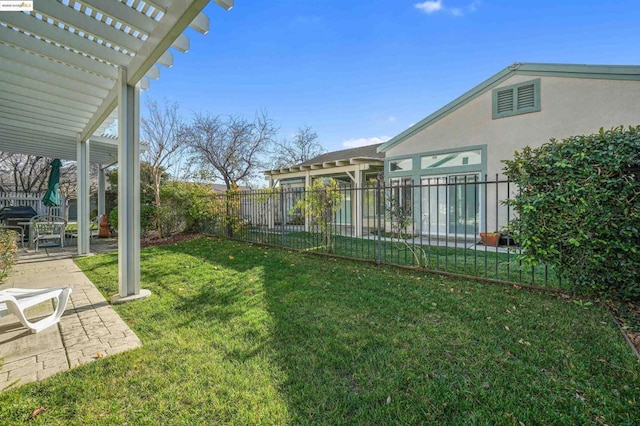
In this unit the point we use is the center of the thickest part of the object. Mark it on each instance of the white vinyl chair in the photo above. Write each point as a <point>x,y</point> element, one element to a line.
<point>46,228</point>
<point>16,300</point>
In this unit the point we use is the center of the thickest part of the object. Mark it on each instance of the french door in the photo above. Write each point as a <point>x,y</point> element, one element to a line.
<point>450,204</point>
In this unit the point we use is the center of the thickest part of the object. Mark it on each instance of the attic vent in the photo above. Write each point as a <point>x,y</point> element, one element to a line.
<point>505,101</point>
<point>516,99</point>
<point>526,98</point>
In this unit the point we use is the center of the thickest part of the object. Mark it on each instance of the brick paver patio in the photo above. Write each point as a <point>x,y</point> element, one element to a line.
<point>89,330</point>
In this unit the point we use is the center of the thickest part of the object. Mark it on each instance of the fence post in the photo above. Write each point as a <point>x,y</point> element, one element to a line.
<point>379,217</point>
<point>282,216</point>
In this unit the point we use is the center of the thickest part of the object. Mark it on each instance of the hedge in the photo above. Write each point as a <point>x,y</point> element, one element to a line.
<point>579,209</point>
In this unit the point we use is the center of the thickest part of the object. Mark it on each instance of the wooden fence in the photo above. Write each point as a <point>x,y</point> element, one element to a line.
<point>31,199</point>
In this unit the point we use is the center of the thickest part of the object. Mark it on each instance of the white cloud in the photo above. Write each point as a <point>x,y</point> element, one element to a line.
<point>392,119</point>
<point>433,6</point>
<point>429,6</point>
<point>354,143</point>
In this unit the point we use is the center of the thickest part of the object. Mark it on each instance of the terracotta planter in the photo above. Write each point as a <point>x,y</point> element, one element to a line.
<point>490,239</point>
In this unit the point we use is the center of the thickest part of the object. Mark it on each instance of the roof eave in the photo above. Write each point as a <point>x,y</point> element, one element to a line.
<point>612,72</point>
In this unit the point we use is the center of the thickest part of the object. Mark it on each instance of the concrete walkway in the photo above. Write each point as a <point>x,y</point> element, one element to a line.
<point>89,329</point>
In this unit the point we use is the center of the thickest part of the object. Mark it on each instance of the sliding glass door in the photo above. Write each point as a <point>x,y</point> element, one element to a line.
<point>450,204</point>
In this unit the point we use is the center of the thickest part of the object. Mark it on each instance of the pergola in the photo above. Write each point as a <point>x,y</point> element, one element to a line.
<point>68,70</point>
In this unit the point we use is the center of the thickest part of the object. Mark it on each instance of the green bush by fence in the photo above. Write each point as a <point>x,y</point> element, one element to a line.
<point>579,208</point>
<point>8,251</point>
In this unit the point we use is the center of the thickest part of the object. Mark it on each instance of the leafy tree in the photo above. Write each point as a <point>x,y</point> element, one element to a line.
<point>320,204</point>
<point>303,147</point>
<point>147,195</point>
<point>229,148</point>
<point>579,208</point>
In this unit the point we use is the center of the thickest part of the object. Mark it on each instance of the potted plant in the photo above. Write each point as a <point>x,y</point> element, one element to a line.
<point>490,239</point>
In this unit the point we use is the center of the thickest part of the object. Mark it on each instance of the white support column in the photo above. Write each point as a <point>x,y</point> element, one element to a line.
<point>358,197</point>
<point>101,192</point>
<point>307,186</point>
<point>128,191</point>
<point>82,157</point>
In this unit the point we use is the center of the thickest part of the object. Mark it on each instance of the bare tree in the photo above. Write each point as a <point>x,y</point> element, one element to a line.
<point>161,129</point>
<point>304,146</point>
<point>24,173</point>
<point>230,148</point>
<point>69,183</point>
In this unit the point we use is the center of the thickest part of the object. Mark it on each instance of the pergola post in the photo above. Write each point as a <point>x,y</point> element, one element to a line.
<point>359,196</point>
<point>83,210</point>
<point>128,191</point>
<point>102,208</point>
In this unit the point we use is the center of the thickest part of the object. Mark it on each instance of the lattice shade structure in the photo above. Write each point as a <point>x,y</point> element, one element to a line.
<point>59,67</point>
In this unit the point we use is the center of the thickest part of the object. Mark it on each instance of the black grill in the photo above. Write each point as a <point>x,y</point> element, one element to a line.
<point>22,213</point>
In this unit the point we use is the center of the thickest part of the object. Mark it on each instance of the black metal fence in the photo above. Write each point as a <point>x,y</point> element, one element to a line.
<point>454,225</point>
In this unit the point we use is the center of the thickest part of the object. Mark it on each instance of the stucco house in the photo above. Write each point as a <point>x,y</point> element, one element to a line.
<point>525,104</point>
<point>351,168</point>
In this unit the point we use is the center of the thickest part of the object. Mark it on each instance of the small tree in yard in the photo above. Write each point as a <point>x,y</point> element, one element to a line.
<point>579,209</point>
<point>320,204</point>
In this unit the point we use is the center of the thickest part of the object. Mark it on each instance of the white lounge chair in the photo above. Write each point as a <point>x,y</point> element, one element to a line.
<point>16,300</point>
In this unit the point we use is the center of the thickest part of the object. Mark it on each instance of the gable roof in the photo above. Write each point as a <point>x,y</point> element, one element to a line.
<point>608,72</point>
<point>361,152</point>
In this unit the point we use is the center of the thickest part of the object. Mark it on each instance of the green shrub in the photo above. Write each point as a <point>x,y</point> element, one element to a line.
<point>187,206</point>
<point>8,251</point>
<point>147,218</point>
<point>579,208</point>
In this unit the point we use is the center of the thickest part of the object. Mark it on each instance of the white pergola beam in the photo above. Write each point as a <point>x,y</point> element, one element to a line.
<point>45,108</point>
<point>181,43</point>
<point>26,119</point>
<point>89,25</point>
<point>108,105</point>
<point>13,55</point>
<point>48,50</point>
<point>169,29</point>
<point>51,116</point>
<point>200,23</point>
<point>17,80</point>
<point>23,143</point>
<point>39,76</point>
<point>154,72</point>
<point>35,126</point>
<point>226,4</point>
<point>123,13</point>
<point>46,97</point>
<point>34,25</point>
<point>166,59</point>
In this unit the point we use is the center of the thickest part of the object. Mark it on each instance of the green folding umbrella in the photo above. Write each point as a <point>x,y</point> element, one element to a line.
<point>52,196</point>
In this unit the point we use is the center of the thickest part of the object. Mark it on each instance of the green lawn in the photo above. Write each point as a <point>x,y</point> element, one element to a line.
<point>238,334</point>
<point>487,262</point>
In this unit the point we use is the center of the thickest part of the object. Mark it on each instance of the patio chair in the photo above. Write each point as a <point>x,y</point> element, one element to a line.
<point>16,300</point>
<point>47,228</point>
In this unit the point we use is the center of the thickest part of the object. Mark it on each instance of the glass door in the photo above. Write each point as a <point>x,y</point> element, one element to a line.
<point>450,204</point>
<point>463,204</point>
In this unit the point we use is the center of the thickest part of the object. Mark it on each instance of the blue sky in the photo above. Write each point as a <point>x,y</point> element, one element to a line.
<point>363,71</point>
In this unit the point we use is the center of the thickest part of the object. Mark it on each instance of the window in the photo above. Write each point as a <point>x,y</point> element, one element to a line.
<point>516,99</point>
<point>400,198</point>
<point>452,159</point>
<point>400,165</point>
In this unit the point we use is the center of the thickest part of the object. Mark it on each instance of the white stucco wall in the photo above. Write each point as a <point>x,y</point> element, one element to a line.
<point>569,106</point>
